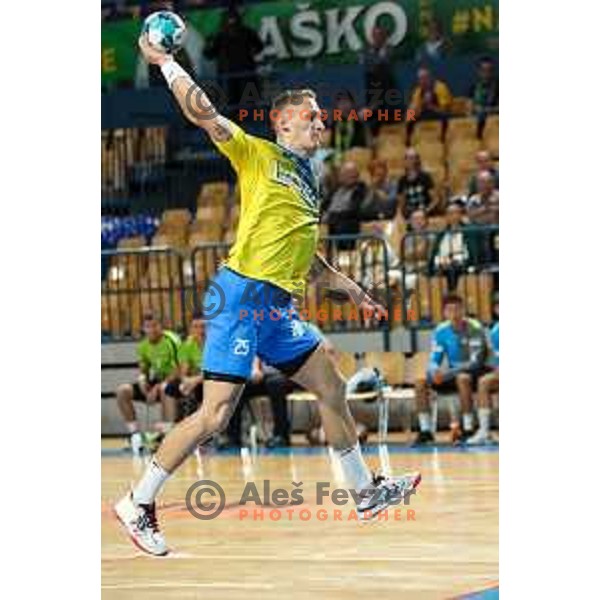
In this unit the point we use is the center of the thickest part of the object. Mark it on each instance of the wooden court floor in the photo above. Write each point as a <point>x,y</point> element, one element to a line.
<point>448,549</point>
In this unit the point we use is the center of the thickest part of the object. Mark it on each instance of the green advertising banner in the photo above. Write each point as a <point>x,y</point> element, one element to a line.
<point>322,32</point>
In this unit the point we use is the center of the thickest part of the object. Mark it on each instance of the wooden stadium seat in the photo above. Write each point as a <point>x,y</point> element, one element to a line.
<point>205,231</point>
<point>427,302</point>
<point>121,312</point>
<point>427,131</point>
<point>131,242</point>
<point>416,367</point>
<point>459,180</point>
<point>395,166</point>
<point>461,128</point>
<point>390,149</point>
<point>214,213</point>
<point>461,152</point>
<point>461,105</point>
<point>476,290</point>
<point>485,290</point>
<point>216,192</point>
<point>163,270</point>
<point>196,238</point>
<point>229,235</point>
<point>493,121</point>
<point>361,156</point>
<point>346,363</point>
<point>176,216</point>
<point>491,135</point>
<point>433,154</point>
<point>393,130</point>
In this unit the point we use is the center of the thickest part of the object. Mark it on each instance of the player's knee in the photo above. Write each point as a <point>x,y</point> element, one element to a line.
<point>333,392</point>
<point>216,420</point>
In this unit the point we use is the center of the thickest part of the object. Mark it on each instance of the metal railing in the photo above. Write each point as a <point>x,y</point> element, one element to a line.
<point>434,263</point>
<point>139,281</point>
<point>171,284</point>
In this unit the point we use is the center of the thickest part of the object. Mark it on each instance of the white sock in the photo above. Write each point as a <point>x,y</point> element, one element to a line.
<point>424,421</point>
<point>356,472</point>
<point>484,419</point>
<point>467,419</point>
<point>149,485</point>
<point>132,426</point>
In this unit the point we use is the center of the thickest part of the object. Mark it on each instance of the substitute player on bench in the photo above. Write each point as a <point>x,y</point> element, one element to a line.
<point>159,368</point>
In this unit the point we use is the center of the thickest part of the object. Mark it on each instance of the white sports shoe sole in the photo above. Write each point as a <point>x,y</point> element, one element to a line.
<point>126,514</point>
<point>396,488</point>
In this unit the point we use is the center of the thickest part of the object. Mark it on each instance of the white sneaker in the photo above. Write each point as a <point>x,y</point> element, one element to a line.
<point>480,439</point>
<point>137,443</point>
<point>386,490</point>
<point>139,521</point>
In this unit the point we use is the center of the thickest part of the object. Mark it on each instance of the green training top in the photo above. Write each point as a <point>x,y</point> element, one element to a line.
<point>190,353</point>
<point>159,360</point>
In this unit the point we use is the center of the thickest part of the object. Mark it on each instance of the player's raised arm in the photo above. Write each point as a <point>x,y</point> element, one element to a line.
<point>193,101</point>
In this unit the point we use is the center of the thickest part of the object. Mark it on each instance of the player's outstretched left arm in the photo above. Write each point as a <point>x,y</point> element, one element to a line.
<point>339,283</point>
<point>193,101</point>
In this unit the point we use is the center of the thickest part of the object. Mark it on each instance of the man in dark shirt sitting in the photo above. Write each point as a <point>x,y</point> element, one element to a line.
<point>484,94</point>
<point>416,187</point>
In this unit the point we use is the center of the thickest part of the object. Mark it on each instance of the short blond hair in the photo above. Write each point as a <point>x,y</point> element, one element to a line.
<point>291,97</point>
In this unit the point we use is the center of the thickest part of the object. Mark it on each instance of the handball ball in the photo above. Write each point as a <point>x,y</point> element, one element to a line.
<point>165,31</point>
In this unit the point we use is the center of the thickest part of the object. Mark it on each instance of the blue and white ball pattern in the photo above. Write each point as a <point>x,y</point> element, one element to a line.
<point>165,31</point>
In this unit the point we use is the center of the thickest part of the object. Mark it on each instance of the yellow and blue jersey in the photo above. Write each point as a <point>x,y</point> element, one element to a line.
<point>278,229</point>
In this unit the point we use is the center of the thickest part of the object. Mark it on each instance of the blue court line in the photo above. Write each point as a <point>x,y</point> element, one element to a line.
<point>370,449</point>
<point>489,594</point>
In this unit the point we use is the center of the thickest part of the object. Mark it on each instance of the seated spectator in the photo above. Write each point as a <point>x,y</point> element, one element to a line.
<point>417,247</point>
<point>416,187</point>
<point>418,242</point>
<point>342,209</point>
<point>431,99</point>
<point>158,381</point>
<point>435,48</point>
<point>462,342</point>
<point>454,249</point>
<point>484,94</point>
<point>483,207</point>
<point>483,162</point>
<point>488,384</point>
<point>347,128</point>
<point>383,200</point>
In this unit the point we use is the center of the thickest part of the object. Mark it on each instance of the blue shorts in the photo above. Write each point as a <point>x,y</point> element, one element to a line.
<point>245,318</point>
